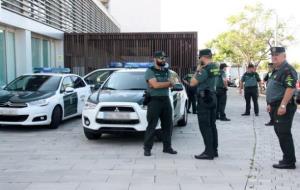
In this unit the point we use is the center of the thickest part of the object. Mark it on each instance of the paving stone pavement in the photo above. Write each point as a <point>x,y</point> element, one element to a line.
<point>36,158</point>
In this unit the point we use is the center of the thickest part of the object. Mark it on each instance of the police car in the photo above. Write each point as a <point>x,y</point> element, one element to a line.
<point>42,98</point>
<point>118,105</point>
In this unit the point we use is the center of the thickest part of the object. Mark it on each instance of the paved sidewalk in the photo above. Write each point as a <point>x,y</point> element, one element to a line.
<point>63,159</point>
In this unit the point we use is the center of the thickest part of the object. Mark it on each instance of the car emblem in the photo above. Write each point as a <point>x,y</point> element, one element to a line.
<point>117,110</point>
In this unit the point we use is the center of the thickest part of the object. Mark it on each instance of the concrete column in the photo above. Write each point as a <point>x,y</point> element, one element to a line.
<point>23,52</point>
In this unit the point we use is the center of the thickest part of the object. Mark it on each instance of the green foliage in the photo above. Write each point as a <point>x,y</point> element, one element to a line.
<point>250,37</point>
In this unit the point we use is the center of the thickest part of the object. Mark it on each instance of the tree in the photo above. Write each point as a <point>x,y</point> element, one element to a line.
<point>250,37</point>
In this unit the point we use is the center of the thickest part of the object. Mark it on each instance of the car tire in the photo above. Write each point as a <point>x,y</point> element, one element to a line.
<point>90,135</point>
<point>183,121</point>
<point>56,118</point>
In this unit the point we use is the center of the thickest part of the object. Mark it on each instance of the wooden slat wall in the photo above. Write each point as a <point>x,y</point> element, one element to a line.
<point>87,52</point>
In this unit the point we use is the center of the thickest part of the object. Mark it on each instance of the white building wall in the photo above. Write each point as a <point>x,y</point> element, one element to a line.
<point>137,15</point>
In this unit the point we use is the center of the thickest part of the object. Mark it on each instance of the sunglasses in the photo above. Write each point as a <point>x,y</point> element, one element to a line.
<point>275,54</point>
<point>162,58</point>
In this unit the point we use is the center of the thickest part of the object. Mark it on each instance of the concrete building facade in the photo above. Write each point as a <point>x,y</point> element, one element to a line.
<point>32,31</point>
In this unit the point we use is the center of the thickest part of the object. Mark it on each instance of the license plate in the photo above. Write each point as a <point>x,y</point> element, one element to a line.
<point>116,116</point>
<point>8,112</point>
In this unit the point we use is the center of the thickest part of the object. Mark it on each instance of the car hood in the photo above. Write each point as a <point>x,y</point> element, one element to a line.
<point>135,96</point>
<point>23,96</point>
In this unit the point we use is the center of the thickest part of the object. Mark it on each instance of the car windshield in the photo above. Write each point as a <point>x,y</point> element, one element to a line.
<point>34,83</point>
<point>126,81</point>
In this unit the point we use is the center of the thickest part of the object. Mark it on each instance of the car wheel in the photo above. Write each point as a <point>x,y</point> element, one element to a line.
<point>90,135</point>
<point>55,118</point>
<point>183,121</point>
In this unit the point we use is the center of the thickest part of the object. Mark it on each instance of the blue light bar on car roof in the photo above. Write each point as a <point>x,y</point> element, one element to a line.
<point>51,70</point>
<point>131,65</point>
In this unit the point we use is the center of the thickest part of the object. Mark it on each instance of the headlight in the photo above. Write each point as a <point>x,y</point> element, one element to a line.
<point>89,104</point>
<point>42,102</point>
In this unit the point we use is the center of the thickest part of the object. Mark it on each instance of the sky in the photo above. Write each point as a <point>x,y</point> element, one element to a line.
<point>208,18</point>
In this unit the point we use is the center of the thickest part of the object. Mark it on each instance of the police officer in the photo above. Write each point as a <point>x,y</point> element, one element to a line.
<point>281,105</point>
<point>159,107</point>
<point>205,80</point>
<point>249,83</point>
<point>191,92</point>
<point>222,87</point>
<point>266,79</point>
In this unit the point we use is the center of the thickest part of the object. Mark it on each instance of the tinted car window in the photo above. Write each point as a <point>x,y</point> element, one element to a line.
<point>126,81</point>
<point>98,77</point>
<point>34,83</point>
<point>78,82</point>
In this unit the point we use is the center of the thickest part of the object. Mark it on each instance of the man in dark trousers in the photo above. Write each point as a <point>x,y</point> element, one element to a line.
<point>205,80</point>
<point>191,92</point>
<point>266,79</point>
<point>281,104</point>
<point>249,83</point>
<point>222,87</point>
<point>159,106</point>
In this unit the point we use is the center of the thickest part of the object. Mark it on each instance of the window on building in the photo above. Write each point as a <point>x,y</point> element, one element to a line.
<point>46,53</point>
<point>41,52</point>
<point>10,56</point>
<point>36,52</point>
<point>2,59</point>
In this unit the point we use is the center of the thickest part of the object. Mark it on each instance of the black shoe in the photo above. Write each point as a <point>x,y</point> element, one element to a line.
<point>204,156</point>
<point>188,111</point>
<point>216,154</point>
<point>224,119</point>
<point>170,151</point>
<point>284,166</point>
<point>245,114</point>
<point>270,123</point>
<point>147,152</point>
<point>256,114</point>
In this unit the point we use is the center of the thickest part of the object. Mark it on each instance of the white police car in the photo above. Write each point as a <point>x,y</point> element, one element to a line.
<point>42,99</point>
<point>118,105</point>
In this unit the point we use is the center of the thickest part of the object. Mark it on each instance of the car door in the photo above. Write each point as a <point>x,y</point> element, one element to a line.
<point>176,97</point>
<point>70,99</point>
<point>83,91</point>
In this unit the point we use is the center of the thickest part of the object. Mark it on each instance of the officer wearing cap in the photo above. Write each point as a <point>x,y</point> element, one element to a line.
<point>159,106</point>
<point>222,87</point>
<point>266,78</point>
<point>280,91</point>
<point>249,84</point>
<point>205,80</point>
<point>191,92</point>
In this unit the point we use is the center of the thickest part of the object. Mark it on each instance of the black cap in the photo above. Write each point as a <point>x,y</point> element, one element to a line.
<point>205,52</point>
<point>158,54</point>
<point>277,50</point>
<point>223,65</point>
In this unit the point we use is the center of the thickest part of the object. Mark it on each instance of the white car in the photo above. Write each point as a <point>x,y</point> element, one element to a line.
<point>42,99</point>
<point>118,105</point>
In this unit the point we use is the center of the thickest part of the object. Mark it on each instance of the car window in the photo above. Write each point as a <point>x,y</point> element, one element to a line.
<point>126,81</point>
<point>98,77</point>
<point>67,82</point>
<point>78,82</point>
<point>34,83</point>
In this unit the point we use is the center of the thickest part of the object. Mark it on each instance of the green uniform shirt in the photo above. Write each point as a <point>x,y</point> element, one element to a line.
<point>221,78</point>
<point>161,76</point>
<point>250,79</point>
<point>282,78</point>
<point>208,77</point>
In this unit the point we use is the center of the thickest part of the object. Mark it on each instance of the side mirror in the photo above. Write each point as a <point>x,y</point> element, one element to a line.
<point>69,90</point>
<point>177,87</point>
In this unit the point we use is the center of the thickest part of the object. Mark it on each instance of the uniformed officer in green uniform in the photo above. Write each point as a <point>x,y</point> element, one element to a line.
<point>266,79</point>
<point>205,80</point>
<point>222,87</point>
<point>159,107</point>
<point>249,84</point>
<point>281,104</point>
<point>191,92</point>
